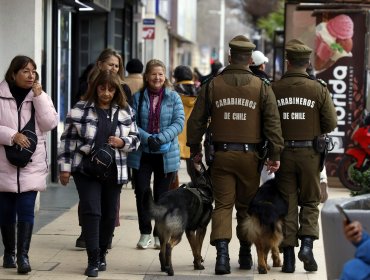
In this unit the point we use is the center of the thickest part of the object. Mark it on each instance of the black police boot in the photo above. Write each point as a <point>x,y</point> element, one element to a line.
<point>245,257</point>
<point>24,236</point>
<point>102,260</point>
<point>8,234</point>
<point>306,255</point>
<point>289,260</point>
<point>93,257</point>
<point>222,260</point>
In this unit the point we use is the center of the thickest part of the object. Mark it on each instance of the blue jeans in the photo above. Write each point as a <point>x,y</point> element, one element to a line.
<point>17,205</point>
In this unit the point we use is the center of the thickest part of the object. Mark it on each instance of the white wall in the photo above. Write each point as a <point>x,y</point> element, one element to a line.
<point>20,31</point>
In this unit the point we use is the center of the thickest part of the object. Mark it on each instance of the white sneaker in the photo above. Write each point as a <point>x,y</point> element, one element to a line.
<point>324,192</point>
<point>157,243</point>
<point>144,241</point>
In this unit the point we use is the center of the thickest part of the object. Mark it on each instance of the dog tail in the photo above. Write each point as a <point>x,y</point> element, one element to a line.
<point>155,211</point>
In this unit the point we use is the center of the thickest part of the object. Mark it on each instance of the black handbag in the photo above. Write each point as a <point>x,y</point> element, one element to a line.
<point>101,163</point>
<point>18,156</point>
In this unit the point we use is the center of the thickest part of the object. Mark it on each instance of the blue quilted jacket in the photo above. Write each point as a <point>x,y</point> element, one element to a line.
<point>171,124</point>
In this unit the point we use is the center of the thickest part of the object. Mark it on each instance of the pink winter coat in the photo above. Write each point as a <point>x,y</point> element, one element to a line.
<point>33,176</point>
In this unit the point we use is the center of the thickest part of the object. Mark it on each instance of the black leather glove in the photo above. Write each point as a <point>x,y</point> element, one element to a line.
<point>154,144</point>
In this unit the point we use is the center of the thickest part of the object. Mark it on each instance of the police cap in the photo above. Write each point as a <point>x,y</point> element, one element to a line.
<point>296,49</point>
<point>241,43</point>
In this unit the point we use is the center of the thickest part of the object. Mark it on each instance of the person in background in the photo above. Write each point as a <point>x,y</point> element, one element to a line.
<point>88,127</point>
<point>19,185</point>
<point>83,82</point>
<point>134,79</point>
<point>258,65</point>
<point>160,117</point>
<point>185,86</point>
<point>215,67</point>
<point>310,114</point>
<point>238,103</point>
<point>359,267</point>
<point>135,82</point>
<point>108,60</point>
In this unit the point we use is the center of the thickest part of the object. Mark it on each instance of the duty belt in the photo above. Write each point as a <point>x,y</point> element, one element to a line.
<point>298,144</point>
<point>234,147</point>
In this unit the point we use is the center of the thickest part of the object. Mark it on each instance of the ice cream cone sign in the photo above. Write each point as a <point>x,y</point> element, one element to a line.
<point>333,41</point>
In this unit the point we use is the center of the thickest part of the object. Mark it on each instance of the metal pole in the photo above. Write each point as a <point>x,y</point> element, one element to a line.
<point>222,32</point>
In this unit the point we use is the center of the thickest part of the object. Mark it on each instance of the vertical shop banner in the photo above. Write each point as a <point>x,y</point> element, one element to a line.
<point>340,61</point>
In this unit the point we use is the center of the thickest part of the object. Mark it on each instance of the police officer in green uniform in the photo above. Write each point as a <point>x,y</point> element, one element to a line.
<point>242,108</point>
<point>306,112</point>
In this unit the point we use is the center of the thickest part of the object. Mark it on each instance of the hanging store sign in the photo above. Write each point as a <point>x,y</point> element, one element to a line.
<point>148,28</point>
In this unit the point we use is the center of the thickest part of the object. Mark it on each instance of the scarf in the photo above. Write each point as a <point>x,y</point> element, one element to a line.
<point>155,98</point>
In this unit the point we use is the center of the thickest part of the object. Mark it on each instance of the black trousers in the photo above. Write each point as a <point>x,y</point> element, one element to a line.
<point>149,163</point>
<point>98,209</point>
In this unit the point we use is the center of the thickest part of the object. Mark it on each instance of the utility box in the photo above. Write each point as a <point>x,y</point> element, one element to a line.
<point>338,250</point>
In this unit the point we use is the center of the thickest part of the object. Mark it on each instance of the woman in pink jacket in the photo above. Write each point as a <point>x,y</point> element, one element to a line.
<point>19,185</point>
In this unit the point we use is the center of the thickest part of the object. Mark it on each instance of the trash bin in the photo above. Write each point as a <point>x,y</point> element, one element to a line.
<point>338,250</point>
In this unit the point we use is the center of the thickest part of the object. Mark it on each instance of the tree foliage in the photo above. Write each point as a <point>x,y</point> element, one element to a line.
<point>264,14</point>
<point>273,21</point>
<point>362,178</point>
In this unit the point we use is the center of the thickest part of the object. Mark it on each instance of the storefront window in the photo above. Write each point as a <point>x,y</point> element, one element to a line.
<point>64,66</point>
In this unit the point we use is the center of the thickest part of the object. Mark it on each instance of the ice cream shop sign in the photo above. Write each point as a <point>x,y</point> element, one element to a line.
<point>340,61</point>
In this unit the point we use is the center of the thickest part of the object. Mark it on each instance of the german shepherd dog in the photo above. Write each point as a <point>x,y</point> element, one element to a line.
<point>186,209</point>
<point>263,227</point>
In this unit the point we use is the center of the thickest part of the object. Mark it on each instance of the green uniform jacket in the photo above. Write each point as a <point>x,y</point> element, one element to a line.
<point>237,75</point>
<point>295,83</point>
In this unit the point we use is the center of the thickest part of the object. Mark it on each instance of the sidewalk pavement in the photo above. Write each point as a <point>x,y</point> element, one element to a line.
<point>53,254</point>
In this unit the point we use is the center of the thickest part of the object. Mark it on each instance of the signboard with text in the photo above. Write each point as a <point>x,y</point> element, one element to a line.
<point>339,60</point>
<point>148,28</point>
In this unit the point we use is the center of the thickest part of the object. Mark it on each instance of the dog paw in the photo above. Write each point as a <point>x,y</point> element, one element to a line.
<point>262,270</point>
<point>198,266</point>
<point>277,264</point>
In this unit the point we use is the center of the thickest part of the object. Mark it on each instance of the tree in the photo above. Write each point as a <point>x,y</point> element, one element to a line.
<point>264,14</point>
<point>273,21</point>
<point>259,8</point>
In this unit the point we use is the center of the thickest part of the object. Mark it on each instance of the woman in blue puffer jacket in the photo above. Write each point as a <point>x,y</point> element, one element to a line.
<point>160,118</point>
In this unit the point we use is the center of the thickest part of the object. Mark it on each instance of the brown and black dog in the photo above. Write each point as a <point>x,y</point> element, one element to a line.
<point>186,209</point>
<point>263,227</point>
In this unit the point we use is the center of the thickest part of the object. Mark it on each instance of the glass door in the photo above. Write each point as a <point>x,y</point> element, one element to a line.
<point>64,65</point>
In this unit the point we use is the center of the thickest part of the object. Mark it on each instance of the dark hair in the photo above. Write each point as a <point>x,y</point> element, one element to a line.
<point>183,73</point>
<point>134,66</point>
<point>298,62</point>
<point>215,66</point>
<point>106,77</point>
<point>149,66</point>
<point>106,54</point>
<point>19,62</point>
<point>240,58</point>
<point>85,73</point>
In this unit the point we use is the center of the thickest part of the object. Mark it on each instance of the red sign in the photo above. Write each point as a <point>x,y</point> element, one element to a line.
<point>148,32</point>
